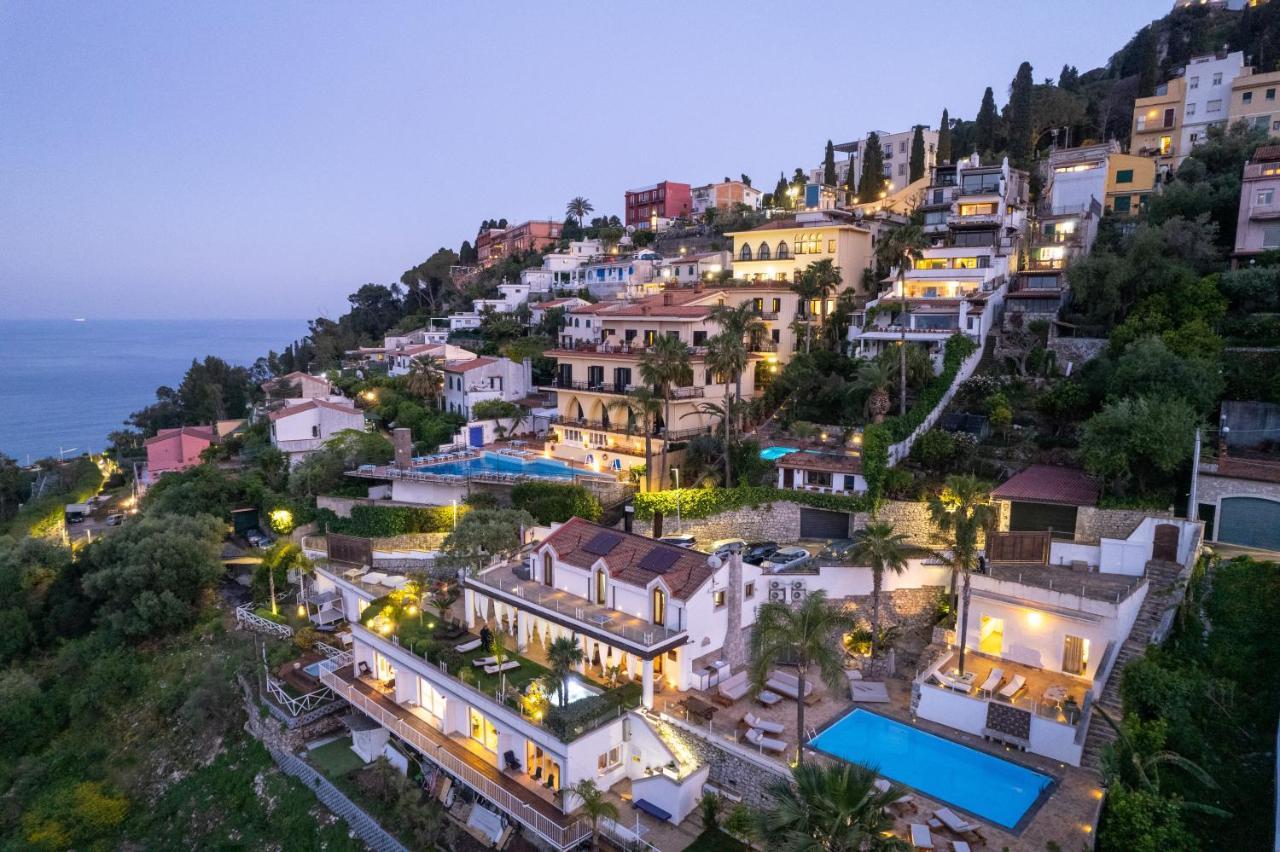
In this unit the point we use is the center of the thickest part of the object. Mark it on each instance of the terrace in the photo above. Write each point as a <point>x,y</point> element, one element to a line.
<point>1105,588</point>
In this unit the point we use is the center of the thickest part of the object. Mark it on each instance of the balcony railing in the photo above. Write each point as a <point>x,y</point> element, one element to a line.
<point>619,389</point>
<point>631,431</point>
<point>977,190</point>
<point>607,348</point>
<point>1033,265</point>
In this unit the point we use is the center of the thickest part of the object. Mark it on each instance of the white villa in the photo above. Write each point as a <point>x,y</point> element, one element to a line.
<point>299,430</point>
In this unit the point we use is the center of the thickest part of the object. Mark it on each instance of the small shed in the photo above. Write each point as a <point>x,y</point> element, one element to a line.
<point>368,738</point>
<point>1047,498</point>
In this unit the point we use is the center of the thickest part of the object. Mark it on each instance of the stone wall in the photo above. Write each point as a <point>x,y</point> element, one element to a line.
<point>907,609</point>
<point>749,778</point>
<point>778,521</point>
<point>1093,524</point>
<point>908,517</point>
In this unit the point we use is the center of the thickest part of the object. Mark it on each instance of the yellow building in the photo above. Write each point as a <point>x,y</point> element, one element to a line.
<point>1255,98</point>
<point>781,249</point>
<point>1157,121</point>
<point>1130,182</point>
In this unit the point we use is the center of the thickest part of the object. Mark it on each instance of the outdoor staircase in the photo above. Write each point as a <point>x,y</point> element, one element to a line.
<point>1164,578</point>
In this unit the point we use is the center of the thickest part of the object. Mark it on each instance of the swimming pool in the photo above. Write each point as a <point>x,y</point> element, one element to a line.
<point>775,453</point>
<point>313,669</point>
<point>495,463</point>
<point>972,780</point>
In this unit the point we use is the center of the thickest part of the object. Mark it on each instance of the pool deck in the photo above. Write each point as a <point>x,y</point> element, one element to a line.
<point>1066,816</point>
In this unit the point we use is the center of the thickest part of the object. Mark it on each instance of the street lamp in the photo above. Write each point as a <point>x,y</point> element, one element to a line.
<point>679,525</point>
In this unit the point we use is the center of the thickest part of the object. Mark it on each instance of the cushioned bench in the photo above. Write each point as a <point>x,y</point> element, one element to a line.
<point>651,809</point>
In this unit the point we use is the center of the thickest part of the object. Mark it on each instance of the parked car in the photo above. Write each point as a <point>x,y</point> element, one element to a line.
<point>679,539</point>
<point>115,520</point>
<point>721,546</point>
<point>786,559</point>
<point>758,551</point>
<point>838,551</point>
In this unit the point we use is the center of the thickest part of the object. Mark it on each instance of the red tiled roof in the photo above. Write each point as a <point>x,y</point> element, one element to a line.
<point>1266,154</point>
<point>205,433</point>
<point>837,463</point>
<point>685,576</point>
<point>594,308</point>
<point>295,376</point>
<point>473,364</point>
<point>281,413</point>
<point>1043,483</point>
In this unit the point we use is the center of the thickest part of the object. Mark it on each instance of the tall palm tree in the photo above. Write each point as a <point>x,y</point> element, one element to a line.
<point>873,378</point>
<point>665,365</point>
<point>579,208</point>
<point>806,287</point>
<point>595,807</point>
<point>425,378</point>
<point>830,808</point>
<point>902,247</point>
<point>723,413</point>
<point>884,550</point>
<point>739,326</point>
<point>962,511</point>
<point>563,654</point>
<point>643,406</point>
<point>826,280</point>
<point>723,358</point>
<point>805,635</point>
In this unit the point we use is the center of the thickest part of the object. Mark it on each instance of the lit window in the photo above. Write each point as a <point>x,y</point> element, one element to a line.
<point>717,598</point>
<point>831,246</point>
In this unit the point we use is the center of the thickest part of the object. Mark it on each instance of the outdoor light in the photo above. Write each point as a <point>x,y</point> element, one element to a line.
<point>302,611</point>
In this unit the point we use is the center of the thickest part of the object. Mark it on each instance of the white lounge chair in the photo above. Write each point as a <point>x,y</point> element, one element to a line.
<point>954,685</point>
<point>920,837</point>
<point>959,846</point>
<point>992,682</point>
<point>788,684</point>
<point>957,823</point>
<point>734,686</point>
<point>467,646</point>
<point>481,662</point>
<point>884,786</point>
<point>1016,684</point>
<point>505,667</point>
<point>763,725</point>
<point>756,738</point>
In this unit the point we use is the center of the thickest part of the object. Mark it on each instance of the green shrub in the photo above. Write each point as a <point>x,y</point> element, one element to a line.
<point>555,502</point>
<point>569,723</point>
<point>388,521</point>
<point>705,502</point>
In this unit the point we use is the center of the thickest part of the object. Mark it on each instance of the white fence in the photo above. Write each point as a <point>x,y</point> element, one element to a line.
<point>247,619</point>
<point>899,451</point>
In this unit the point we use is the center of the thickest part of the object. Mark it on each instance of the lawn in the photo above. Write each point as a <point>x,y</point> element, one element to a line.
<point>516,678</point>
<point>335,759</point>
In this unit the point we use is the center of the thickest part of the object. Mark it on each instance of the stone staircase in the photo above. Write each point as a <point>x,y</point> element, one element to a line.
<point>361,824</point>
<point>1165,579</point>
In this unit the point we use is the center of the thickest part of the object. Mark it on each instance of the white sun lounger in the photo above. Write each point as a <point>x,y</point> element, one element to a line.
<point>505,667</point>
<point>884,786</point>
<point>1015,685</point>
<point>955,822</point>
<point>954,685</point>
<point>481,662</point>
<point>763,725</point>
<point>992,682</point>
<point>757,738</point>
<point>920,837</point>
<point>467,646</point>
<point>960,846</point>
<point>868,692</point>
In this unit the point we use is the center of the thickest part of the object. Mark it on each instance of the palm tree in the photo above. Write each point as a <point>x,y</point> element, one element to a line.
<point>830,808</point>
<point>723,358</point>
<point>901,248</point>
<point>739,327</point>
<point>804,635</point>
<point>664,365</point>
<point>826,280</point>
<point>595,807</point>
<point>723,413</point>
<point>806,287</point>
<point>873,377</point>
<point>884,550</point>
<point>563,654</point>
<point>643,406</point>
<point>579,208</point>
<point>425,378</point>
<point>963,510</point>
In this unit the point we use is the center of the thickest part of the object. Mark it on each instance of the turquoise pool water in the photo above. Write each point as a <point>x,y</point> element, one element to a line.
<point>494,463</point>
<point>775,453</point>
<point>980,783</point>
<point>313,669</point>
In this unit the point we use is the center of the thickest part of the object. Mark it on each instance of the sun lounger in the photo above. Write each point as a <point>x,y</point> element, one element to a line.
<point>868,692</point>
<point>767,698</point>
<point>957,823</point>
<point>756,738</point>
<point>1016,684</point>
<point>505,667</point>
<point>920,837</point>
<point>954,685</point>
<point>481,662</point>
<point>763,725</point>
<point>959,846</point>
<point>788,684</point>
<point>467,646</point>
<point>992,682</point>
<point>884,786</point>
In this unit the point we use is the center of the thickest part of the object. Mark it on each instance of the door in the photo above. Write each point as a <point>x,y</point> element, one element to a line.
<point>1165,546</point>
<point>1018,547</point>
<point>819,523</point>
<point>788,478</point>
<point>475,436</point>
<point>991,635</point>
<point>1075,654</point>
<point>1250,521</point>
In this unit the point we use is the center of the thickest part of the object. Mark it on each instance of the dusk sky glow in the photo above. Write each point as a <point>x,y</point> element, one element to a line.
<point>265,159</point>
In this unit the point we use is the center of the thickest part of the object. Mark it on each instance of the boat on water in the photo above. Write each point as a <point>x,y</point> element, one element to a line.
<point>79,319</point>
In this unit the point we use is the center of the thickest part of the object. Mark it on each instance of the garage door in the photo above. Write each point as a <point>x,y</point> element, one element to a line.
<point>1038,517</point>
<point>1251,522</point>
<point>818,523</point>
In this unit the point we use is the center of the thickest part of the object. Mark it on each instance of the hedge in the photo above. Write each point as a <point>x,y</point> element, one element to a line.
<point>389,521</point>
<point>705,502</point>
<point>555,502</point>
<point>585,714</point>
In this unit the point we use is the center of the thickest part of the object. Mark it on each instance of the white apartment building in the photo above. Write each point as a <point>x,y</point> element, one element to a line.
<point>897,157</point>
<point>300,429</point>
<point>1208,96</point>
<point>512,296</point>
<point>402,362</point>
<point>484,378</point>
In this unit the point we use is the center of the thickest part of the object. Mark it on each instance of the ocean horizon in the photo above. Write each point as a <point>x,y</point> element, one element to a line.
<point>66,385</point>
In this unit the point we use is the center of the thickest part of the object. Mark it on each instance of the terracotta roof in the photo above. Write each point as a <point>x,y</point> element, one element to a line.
<point>554,303</point>
<point>1043,483</point>
<point>204,433</point>
<point>421,348</point>
<point>309,405</point>
<point>594,308</point>
<point>296,376</point>
<point>1266,154</point>
<point>685,576</point>
<point>837,463</point>
<point>473,364</point>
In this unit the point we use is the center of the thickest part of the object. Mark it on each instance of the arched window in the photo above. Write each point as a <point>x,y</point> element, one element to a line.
<point>548,570</point>
<point>745,254</point>
<point>763,253</point>
<point>783,253</point>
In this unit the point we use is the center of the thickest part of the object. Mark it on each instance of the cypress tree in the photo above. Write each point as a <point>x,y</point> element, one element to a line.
<point>829,165</point>
<point>1146,61</point>
<point>1069,79</point>
<point>984,131</point>
<point>916,169</point>
<point>944,139</point>
<point>872,182</point>
<point>1020,116</point>
<point>780,198</point>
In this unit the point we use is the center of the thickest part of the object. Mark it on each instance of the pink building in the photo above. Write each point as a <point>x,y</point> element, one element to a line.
<point>177,449</point>
<point>666,200</point>
<point>1258,226</point>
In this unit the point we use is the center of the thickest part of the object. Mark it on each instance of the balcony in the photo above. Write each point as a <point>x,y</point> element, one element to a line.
<point>985,189</point>
<point>630,431</point>
<point>987,220</point>
<point>619,389</point>
<point>1051,265</point>
<point>609,348</point>
<point>1264,212</point>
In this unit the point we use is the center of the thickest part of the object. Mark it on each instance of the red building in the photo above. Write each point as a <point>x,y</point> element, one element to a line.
<point>664,200</point>
<point>494,244</point>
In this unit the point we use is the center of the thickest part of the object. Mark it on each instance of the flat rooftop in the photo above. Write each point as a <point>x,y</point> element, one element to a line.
<point>1109,588</point>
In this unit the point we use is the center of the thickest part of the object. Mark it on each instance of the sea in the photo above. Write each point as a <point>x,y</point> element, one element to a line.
<point>65,385</point>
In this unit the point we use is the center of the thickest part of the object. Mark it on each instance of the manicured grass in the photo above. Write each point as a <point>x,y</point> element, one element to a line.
<point>714,840</point>
<point>335,759</point>
<point>516,678</point>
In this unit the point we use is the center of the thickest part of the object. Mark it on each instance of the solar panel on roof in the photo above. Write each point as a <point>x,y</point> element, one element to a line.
<point>660,559</point>
<point>602,543</point>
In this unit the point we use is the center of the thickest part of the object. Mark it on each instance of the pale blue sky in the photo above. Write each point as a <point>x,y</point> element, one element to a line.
<point>235,159</point>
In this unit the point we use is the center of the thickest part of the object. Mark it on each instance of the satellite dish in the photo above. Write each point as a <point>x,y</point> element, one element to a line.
<point>715,562</point>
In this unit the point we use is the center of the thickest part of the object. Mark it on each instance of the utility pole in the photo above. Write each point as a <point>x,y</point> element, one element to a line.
<point>1193,504</point>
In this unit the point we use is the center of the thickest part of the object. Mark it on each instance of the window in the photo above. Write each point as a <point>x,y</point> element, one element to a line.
<point>820,478</point>
<point>1193,83</point>
<point>1075,654</point>
<point>548,564</point>
<point>1262,121</point>
<point>659,606</point>
<point>987,209</point>
<point>749,591</point>
<point>602,585</point>
<point>763,252</point>
<point>831,246</point>
<point>717,598</point>
<point>1168,117</point>
<point>482,730</point>
<point>610,759</point>
<point>1247,98</point>
<point>783,252</point>
<point>1166,145</point>
<point>745,254</point>
<point>1121,204</point>
<point>1271,94</point>
<point>776,335</point>
<point>1265,196</point>
<point>1214,105</point>
<point>1271,238</point>
<point>1217,79</point>
<point>1191,109</point>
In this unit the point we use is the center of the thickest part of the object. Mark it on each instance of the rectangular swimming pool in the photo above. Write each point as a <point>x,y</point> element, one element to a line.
<point>980,783</point>
<point>494,463</point>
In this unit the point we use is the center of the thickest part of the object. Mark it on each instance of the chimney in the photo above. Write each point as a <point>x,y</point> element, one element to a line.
<point>734,651</point>
<point>402,440</point>
<point>667,299</point>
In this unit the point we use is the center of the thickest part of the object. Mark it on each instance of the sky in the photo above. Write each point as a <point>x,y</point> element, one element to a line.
<point>227,160</point>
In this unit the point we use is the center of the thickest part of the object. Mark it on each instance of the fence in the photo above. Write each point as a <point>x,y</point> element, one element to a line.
<point>364,826</point>
<point>899,451</point>
<point>247,619</point>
